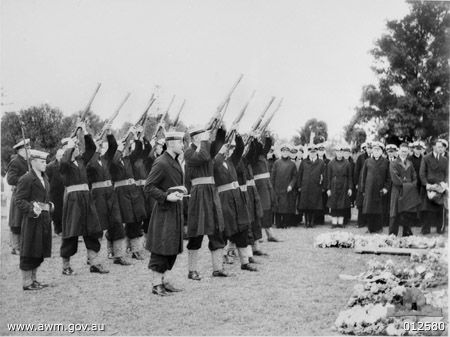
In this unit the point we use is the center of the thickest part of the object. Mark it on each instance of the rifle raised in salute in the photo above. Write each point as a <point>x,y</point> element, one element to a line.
<point>177,118</point>
<point>22,128</point>
<point>83,114</point>
<point>266,123</point>
<point>218,115</point>
<point>138,127</point>
<point>230,134</point>
<point>161,120</point>
<point>109,121</point>
<point>258,122</point>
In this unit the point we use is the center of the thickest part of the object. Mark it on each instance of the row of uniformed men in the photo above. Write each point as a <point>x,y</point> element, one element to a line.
<point>314,186</point>
<point>108,186</point>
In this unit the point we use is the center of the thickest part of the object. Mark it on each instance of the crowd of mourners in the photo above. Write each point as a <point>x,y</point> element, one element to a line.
<point>389,186</point>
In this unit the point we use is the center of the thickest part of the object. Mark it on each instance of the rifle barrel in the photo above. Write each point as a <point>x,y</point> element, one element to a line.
<point>23,139</point>
<point>170,105</point>
<point>177,118</point>
<point>88,106</point>
<point>227,98</point>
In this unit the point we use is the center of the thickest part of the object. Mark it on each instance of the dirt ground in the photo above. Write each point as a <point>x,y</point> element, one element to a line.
<point>297,291</point>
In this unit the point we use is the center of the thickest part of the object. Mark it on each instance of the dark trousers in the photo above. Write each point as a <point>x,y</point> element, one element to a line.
<point>15,230</point>
<point>267,219</point>
<point>145,224</point>
<point>283,220</point>
<point>347,215</point>
<point>374,222</point>
<point>404,220</point>
<point>433,219</point>
<point>69,246</point>
<point>311,217</point>
<point>255,232</point>
<point>133,230</point>
<point>216,241</point>
<point>362,219</point>
<point>115,232</point>
<point>161,263</point>
<point>240,239</point>
<point>297,219</point>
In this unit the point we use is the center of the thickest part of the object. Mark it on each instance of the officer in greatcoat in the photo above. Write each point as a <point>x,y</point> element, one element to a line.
<point>339,187</point>
<point>347,154</point>
<point>391,156</point>
<point>80,216</point>
<point>33,201</point>
<point>321,154</point>
<point>284,176</point>
<point>434,180</point>
<point>404,199</point>
<point>165,231</point>
<point>366,151</point>
<point>310,184</point>
<point>205,215</point>
<point>375,183</point>
<point>17,167</point>
<point>416,160</point>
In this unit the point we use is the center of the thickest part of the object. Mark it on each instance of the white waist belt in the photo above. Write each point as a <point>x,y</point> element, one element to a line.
<point>140,182</point>
<point>203,181</point>
<point>101,184</point>
<point>262,176</point>
<point>76,188</point>
<point>251,182</point>
<point>227,187</point>
<point>125,182</point>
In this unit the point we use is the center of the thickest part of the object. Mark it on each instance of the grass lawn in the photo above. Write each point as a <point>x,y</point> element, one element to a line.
<point>297,291</point>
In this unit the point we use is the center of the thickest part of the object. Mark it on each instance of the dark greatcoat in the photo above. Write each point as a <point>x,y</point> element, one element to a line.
<point>401,175</point>
<point>141,170</point>
<point>432,171</point>
<point>254,201</point>
<point>357,178</point>
<point>416,161</point>
<point>260,165</point>
<point>17,168</point>
<point>165,231</point>
<point>284,174</point>
<point>339,181</point>
<point>205,215</point>
<point>310,180</point>
<point>352,170</point>
<point>254,205</point>
<point>36,233</point>
<point>56,190</point>
<point>105,198</point>
<point>375,177</point>
<point>131,199</point>
<point>79,214</point>
<point>235,214</point>
<point>242,177</point>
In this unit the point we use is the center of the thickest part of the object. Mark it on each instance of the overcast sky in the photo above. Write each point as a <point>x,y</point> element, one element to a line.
<point>315,54</point>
